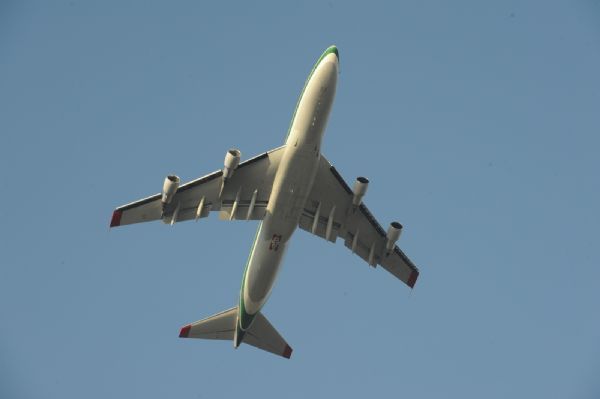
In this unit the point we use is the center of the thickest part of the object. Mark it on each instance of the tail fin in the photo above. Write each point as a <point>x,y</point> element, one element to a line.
<point>222,326</point>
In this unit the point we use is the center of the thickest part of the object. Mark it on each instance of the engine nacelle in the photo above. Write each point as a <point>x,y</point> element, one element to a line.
<point>170,187</point>
<point>360,189</point>
<point>232,160</point>
<point>393,234</point>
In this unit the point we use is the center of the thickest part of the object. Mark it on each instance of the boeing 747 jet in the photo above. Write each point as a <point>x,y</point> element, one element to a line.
<point>285,188</point>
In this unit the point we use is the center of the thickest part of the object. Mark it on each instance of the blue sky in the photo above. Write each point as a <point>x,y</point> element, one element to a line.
<point>476,123</point>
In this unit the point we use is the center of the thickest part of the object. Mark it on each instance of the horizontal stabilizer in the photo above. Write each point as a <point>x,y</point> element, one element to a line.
<point>261,333</point>
<point>219,326</point>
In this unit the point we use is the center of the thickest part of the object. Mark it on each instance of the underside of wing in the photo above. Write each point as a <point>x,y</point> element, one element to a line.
<point>242,195</point>
<point>335,210</point>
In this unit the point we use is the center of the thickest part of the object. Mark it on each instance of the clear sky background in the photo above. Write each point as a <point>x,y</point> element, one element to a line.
<point>478,124</point>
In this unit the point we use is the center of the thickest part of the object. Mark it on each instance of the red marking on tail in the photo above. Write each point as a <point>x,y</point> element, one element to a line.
<point>116,218</point>
<point>185,331</point>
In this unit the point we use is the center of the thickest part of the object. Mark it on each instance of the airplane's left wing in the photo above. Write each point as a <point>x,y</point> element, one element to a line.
<point>244,196</point>
<point>331,212</point>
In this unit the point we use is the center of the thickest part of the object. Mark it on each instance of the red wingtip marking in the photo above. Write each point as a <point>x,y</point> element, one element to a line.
<point>116,218</point>
<point>412,279</point>
<point>287,353</point>
<point>185,331</point>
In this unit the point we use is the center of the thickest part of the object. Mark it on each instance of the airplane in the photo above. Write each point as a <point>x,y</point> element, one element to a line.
<point>288,187</point>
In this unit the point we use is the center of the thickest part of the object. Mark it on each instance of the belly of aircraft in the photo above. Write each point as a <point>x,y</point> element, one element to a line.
<point>283,214</point>
<point>291,187</point>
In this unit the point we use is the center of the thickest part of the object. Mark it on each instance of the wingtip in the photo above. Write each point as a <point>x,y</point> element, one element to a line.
<point>412,280</point>
<point>116,218</point>
<point>185,331</point>
<point>287,353</point>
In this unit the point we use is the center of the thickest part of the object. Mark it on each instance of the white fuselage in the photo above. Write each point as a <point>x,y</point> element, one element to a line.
<point>293,182</point>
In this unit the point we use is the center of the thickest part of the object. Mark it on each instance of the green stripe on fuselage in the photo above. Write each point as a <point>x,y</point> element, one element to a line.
<point>245,319</point>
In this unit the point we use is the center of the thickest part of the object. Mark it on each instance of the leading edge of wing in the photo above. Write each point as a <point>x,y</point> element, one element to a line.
<point>182,188</point>
<point>219,173</point>
<point>117,213</point>
<point>116,217</point>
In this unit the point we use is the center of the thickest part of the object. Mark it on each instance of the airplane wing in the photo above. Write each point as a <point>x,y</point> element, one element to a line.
<point>329,213</point>
<point>244,196</point>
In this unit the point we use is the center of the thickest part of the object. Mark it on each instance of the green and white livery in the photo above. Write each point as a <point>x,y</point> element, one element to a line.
<point>285,188</point>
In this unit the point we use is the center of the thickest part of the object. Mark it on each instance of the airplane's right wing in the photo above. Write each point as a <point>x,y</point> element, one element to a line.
<point>330,213</point>
<point>243,197</point>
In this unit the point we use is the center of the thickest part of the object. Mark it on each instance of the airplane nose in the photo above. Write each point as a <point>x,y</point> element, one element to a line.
<point>334,50</point>
<point>330,55</point>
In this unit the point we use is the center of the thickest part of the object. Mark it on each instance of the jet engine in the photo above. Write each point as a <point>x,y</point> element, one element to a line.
<point>232,160</point>
<point>170,187</point>
<point>360,189</point>
<point>393,234</point>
